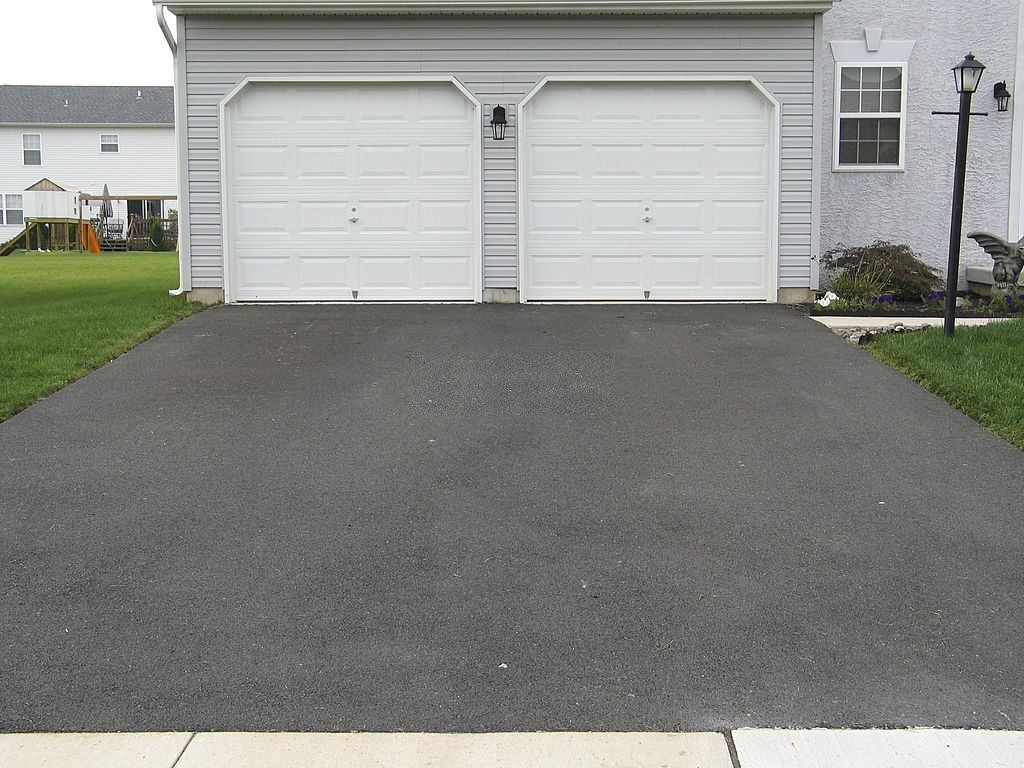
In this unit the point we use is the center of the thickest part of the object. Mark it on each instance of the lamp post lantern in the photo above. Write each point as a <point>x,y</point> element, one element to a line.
<point>1002,96</point>
<point>498,123</point>
<point>967,75</point>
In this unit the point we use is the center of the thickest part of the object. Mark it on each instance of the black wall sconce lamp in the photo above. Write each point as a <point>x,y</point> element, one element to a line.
<point>498,123</point>
<point>1002,96</point>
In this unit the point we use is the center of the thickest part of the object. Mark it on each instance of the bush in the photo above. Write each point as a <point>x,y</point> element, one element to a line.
<point>900,270</point>
<point>858,284</point>
<point>156,235</point>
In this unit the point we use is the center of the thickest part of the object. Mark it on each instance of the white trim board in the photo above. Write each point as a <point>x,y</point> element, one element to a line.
<point>478,262</point>
<point>1015,225</point>
<point>775,143</point>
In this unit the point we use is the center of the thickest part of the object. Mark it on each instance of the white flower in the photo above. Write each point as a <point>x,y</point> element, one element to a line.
<point>827,299</point>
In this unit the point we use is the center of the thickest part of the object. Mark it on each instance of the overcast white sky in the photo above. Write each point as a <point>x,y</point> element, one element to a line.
<point>83,42</point>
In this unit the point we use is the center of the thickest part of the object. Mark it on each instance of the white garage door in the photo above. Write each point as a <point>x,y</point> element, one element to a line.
<point>353,191</point>
<point>640,191</point>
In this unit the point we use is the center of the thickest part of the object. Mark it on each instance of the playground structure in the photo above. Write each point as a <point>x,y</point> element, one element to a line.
<point>96,233</point>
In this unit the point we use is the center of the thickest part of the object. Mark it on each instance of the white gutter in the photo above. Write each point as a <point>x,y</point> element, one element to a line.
<point>372,7</point>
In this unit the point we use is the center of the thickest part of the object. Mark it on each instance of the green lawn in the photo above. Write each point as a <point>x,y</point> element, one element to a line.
<point>63,315</point>
<point>981,371</point>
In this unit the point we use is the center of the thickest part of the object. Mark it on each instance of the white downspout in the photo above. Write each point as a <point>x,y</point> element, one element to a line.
<point>184,283</point>
<point>161,19</point>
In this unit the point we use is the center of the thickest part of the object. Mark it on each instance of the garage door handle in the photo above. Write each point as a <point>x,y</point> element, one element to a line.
<point>353,219</point>
<point>647,219</point>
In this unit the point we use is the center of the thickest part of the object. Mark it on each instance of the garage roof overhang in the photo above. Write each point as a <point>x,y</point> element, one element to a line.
<point>372,7</point>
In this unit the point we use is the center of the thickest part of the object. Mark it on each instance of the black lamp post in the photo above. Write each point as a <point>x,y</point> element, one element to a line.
<point>967,75</point>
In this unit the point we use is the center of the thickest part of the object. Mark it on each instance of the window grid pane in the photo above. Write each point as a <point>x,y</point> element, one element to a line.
<point>869,141</point>
<point>31,141</point>
<point>14,213</point>
<point>33,157</point>
<point>865,137</point>
<point>871,89</point>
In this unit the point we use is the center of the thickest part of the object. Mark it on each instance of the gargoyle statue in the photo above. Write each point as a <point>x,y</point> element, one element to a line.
<point>1008,257</point>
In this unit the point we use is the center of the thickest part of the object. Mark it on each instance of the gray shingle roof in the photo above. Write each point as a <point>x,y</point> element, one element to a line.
<point>86,105</point>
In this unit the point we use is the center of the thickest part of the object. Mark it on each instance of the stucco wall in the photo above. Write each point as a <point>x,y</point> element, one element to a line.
<point>914,206</point>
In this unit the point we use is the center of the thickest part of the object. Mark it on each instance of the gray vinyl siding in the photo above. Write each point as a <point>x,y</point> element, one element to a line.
<point>499,59</point>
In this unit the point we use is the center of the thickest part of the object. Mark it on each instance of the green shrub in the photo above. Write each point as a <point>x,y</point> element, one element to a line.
<point>900,270</point>
<point>156,235</point>
<point>858,284</point>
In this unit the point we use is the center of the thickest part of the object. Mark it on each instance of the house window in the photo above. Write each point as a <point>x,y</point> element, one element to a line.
<point>870,117</point>
<point>32,148</point>
<point>109,142</point>
<point>12,212</point>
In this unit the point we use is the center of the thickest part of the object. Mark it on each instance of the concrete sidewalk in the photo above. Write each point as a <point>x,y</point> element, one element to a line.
<point>748,748</point>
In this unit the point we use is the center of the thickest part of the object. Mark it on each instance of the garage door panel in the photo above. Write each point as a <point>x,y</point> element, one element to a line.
<point>326,273</point>
<point>328,203</point>
<point>677,217</point>
<point>617,161</point>
<point>736,161</point>
<point>443,272</point>
<point>323,162</point>
<point>677,161</point>
<point>739,217</point>
<point>268,272</point>
<point>678,271</point>
<point>384,161</point>
<point>263,218</point>
<point>321,218</point>
<point>646,187</point>
<point>555,217</point>
<point>445,161</point>
<point>737,271</point>
<point>445,217</point>
<point>616,217</point>
<point>261,162</point>
<point>556,161</point>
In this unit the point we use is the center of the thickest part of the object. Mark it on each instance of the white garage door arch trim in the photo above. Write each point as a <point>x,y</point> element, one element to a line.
<point>775,164</point>
<point>225,186</point>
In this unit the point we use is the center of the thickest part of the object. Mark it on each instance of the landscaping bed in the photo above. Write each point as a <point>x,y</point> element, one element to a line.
<point>64,314</point>
<point>967,306</point>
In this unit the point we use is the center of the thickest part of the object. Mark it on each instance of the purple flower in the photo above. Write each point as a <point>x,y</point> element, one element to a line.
<point>937,296</point>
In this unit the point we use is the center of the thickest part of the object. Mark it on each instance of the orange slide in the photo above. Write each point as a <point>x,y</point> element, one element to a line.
<point>89,241</point>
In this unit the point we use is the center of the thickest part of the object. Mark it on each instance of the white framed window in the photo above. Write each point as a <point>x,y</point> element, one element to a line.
<point>870,122</point>
<point>12,212</point>
<point>109,142</point>
<point>32,148</point>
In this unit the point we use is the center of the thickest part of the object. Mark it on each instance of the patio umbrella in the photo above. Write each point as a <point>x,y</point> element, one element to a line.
<point>106,210</point>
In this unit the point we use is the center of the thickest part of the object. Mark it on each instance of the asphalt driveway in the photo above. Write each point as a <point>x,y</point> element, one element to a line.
<point>437,518</point>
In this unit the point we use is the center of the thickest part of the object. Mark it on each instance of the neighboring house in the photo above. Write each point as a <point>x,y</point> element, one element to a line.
<point>58,141</point>
<point>904,192</point>
<point>654,149</point>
